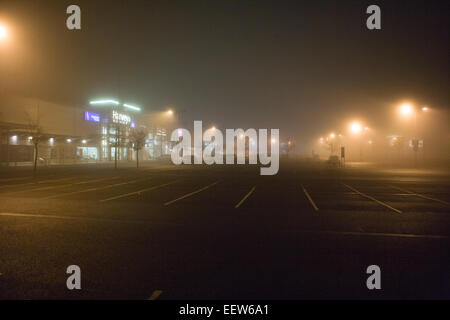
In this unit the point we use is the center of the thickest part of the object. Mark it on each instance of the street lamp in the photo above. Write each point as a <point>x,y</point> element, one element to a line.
<point>355,127</point>
<point>170,112</point>
<point>406,110</point>
<point>3,32</point>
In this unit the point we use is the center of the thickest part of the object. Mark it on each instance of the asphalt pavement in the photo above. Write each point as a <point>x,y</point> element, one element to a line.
<point>224,232</point>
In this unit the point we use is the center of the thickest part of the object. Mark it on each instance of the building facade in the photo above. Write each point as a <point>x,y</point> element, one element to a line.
<point>68,134</point>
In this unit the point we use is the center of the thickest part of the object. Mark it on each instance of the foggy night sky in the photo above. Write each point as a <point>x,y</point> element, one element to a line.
<point>301,66</point>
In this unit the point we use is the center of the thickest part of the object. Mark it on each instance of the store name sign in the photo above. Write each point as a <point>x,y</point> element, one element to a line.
<point>120,118</point>
<point>91,116</point>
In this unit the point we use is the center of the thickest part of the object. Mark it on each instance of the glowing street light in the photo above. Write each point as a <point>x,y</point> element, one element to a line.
<point>425,109</point>
<point>406,110</point>
<point>355,127</point>
<point>3,32</point>
<point>170,112</point>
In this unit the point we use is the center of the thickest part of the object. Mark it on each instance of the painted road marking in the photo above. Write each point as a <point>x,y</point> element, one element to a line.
<point>372,198</point>
<point>190,194</point>
<point>57,186</point>
<point>98,180</point>
<point>310,199</point>
<point>245,197</point>
<point>34,182</point>
<point>50,216</point>
<point>18,178</point>
<point>380,234</point>
<point>137,192</point>
<point>155,295</point>
<point>89,190</point>
<point>421,195</point>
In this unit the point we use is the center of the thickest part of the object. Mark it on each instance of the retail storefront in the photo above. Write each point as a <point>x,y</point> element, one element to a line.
<point>73,135</point>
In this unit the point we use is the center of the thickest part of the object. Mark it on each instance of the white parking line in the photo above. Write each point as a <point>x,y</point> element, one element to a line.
<point>137,192</point>
<point>98,180</point>
<point>50,216</point>
<point>372,198</point>
<point>57,186</point>
<point>245,197</point>
<point>34,182</point>
<point>421,195</point>
<point>155,295</point>
<point>88,190</point>
<point>310,199</point>
<point>13,179</point>
<point>190,194</point>
<point>380,234</point>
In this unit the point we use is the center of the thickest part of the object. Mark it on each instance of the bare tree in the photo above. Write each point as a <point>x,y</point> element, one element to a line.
<point>35,135</point>
<point>137,138</point>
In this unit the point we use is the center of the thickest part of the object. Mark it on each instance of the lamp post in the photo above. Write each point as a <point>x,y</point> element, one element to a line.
<point>356,129</point>
<point>406,110</point>
<point>3,38</point>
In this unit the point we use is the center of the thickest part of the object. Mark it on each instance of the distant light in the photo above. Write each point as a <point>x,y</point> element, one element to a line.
<point>406,109</point>
<point>289,142</point>
<point>213,128</point>
<point>332,135</point>
<point>3,32</point>
<point>369,142</point>
<point>133,124</point>
<point>14,138</point>
<point>30,138</point>
<point>274,140</point>
<point>51,140</point>
<point>69,140</point>
<point>170,112</point>
<point>366,128</point>
<point>105,102</point>
<point>180,133</point>
<point>425,109</point>
<point>241,136</point>
<point>83,141</point>
<point>131,107</point>
<point>355,127</point>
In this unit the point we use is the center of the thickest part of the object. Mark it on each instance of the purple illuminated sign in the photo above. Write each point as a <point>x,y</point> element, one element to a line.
<point>91,116</point>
